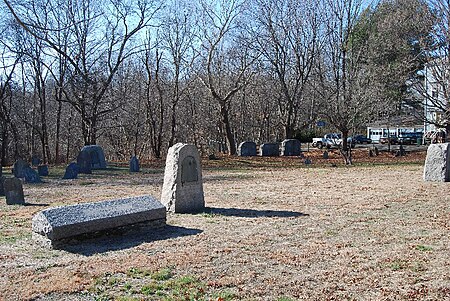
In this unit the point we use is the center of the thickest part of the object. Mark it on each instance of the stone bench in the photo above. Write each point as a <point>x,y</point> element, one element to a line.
<point>55,226</point>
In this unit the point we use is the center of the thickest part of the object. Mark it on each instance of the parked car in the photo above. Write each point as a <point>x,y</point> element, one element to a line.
<point>409,138</point>
<point>359,139</point>
<point>328,140</point>
<point>391,139</point>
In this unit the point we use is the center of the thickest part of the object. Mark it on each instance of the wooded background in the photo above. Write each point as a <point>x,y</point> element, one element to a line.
<point>138,76</point>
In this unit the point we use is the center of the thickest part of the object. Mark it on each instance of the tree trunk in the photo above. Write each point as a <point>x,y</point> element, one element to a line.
<point>228,132</point>
<point>58,133</point>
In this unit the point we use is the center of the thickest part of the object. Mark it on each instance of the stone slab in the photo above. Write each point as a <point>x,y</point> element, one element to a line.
<point>32,176</point>
<point>290,147</point>
<point>13,191</point>
<point>43,170</point>
<point>134,164</point>
<point>247,149</point>
<point>437,163</point>
<point>2,191</point>
<point>269,150</point>
<point>71,171</point>
<point>183,185</point>
<point>97,156</point>
<point>65,222</point>
<point>19,168</point>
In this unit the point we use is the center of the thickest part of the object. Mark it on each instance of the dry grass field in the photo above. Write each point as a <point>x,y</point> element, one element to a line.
<point>274,229</point>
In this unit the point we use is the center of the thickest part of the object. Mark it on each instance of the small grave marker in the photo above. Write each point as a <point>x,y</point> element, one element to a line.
<point>183,186</point>
<point>71,171</point>
<point>134,164</point>
<point>247,149</point>
<point>13,191</point>
<point>290,147</point>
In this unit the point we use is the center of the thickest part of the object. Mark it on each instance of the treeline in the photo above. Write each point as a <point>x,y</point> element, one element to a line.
<point>139,76</point>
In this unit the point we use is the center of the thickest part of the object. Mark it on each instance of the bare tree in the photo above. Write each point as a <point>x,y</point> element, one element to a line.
<point>344,80</point>
<point>287,36</point>
<point>227,62</point>
<point>100,40</point>
<point>179,36</point>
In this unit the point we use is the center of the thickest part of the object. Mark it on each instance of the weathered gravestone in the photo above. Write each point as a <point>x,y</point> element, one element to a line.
<point>269,150</point>
<point>43,170</point>
<point>35,160</point>
<point>134,164</point>
<point>290,147</point>
<point>97,156</point>
<point>84,163</point>
<point>19,168</point>
<point>437,163</point>
<point>71,171</point>
<point>31,176</point>
<point>55,226</point>
<point>13,191</point>
<point>183,186</point>
<point>247,149</point>
<point>2,190</point>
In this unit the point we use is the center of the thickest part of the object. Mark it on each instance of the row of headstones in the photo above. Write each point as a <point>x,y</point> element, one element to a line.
<point>289,147</point>
<point>90,157</point>
<point>182,193</point>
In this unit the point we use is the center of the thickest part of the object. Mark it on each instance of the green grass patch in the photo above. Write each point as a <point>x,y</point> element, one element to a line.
<point>164,274</point>
<point>424,248</point>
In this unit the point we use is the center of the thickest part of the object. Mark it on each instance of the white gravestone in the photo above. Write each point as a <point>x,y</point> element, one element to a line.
<point>183,186</point>
<point>437,163</point>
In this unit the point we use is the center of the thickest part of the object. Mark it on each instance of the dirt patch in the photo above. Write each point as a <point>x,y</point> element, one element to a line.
<point>274,230</point>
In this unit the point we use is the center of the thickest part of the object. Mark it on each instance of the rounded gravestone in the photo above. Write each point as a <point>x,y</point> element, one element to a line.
<point>134,164</point>
<point>84,162</point>
<point>247,149</point>
<point>97,156</point>
<point>71,171</point>
<point>13,191</point>
<point>183,186</point>
<point>19,168</point>
<point>290,147</point>
<point>269,150</point>
<point>32,176</point>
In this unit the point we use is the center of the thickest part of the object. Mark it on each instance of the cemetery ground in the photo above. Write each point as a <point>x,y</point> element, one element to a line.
<point>274,229</point>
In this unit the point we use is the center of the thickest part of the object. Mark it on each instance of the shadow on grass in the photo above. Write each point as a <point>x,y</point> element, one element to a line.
<point>124,238</point>
<point>36,205</point>
<point>237,212</point>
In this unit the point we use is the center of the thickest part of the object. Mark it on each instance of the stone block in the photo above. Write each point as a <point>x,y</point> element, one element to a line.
<point>134,164</point>
<point>43,170</point>
<point>269,150</point>
<point>2,190</point>
<point>247,149</point>
<point>32,176</point>
<point>290,147</point>
<point>19,168</point>
<point>13,191</point>
<point>437,163</point>
<point>97,157</point>
<point>58,224</point>
<point>71,171</point>
<point>84,162</point>
<point>183,186</point>
<point>35,160</point>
